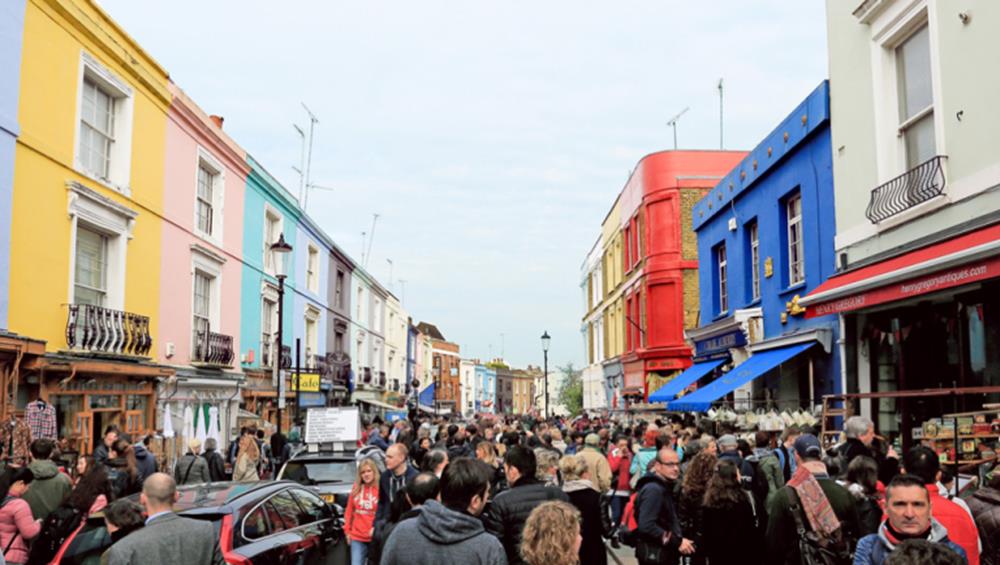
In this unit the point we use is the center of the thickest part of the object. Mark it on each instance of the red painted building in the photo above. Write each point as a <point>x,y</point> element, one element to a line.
<point>661,261</point>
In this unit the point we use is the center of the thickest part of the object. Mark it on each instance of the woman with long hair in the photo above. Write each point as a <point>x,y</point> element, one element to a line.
<point>552,535</point>
<point>689,509</point>
<point>582,494</point>
<point>487,453</point>
<point>862,481</point>
<point>17,525</point>
<point>359,516</point>
<point>92,493</point>
<point>123,470</point>
<point>84,464</point>
<point>247,460</point>
<point>729,525</point>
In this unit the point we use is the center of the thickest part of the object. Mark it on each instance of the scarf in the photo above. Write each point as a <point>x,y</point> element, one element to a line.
<point>814,503</point>
<point>896,538</point>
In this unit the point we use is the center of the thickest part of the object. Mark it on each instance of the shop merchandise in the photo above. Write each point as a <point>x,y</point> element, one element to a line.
<point>41,418</point>
<point>15,441</point>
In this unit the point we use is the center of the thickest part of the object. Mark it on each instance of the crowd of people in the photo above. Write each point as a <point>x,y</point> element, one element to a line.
<point>555,492</point>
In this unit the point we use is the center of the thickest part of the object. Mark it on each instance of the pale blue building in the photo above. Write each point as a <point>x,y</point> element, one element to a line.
<point>11,27</point>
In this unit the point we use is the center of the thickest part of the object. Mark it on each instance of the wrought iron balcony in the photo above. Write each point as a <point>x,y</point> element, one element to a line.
<point>266,346</point>
<point>211,348</point>
<point>919,184</point>
<point>96,329</point>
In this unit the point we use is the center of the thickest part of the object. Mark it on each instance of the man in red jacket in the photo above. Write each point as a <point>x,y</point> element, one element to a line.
<point>923,462</point>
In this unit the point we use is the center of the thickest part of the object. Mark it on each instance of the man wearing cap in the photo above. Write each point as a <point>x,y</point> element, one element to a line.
<point>600,469</point>
<point>816,500</point>
<point>729,449</point>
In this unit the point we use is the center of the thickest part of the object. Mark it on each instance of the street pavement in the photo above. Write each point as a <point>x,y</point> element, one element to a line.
<point>624,555</point>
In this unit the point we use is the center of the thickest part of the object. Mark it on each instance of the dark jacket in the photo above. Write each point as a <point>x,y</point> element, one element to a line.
<point>985,506</point>
<point>505,516</point>
<point>441,535</point>
<point>49,489</point>
<point>730,535</point>
<point>583,496</point>
<point>869,511</point>
<point>382,532</point>
<point>781,541</point>
<point>144,461</point>
<point>378,441</point>
<point>216,466</point>
<point>690,513</point>
<point>746,469</point>
<point>888,467</point>
<point>656,515</point>
<point>384,500</point>
<point>101,454</point>
<point>122,483</point>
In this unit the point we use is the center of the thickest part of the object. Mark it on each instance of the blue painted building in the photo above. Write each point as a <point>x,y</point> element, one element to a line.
<point>765,239</point>
<point>486,390</point>
<point>11,27</point>
<point>268,211</point>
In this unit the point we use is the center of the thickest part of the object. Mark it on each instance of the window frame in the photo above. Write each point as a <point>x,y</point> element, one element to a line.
<point>312,268</point>
<point>908,123</point>
<point>722,278</point>
<point>119,155</point>
<point>104,244</point>
<point>269,295</point>
<point>272,217</point>
<point>753,244</point>
<point>208,162</point>
<point>99,213</point>
<point>795,246</point>
<point>340,283</point>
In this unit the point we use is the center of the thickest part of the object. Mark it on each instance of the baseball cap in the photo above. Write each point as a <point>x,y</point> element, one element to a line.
<point>806,445</point>
<point>728,440</point>
<point>592,439</point>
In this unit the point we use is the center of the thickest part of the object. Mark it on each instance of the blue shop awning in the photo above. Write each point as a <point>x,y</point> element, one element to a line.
<point>669,391</point>
<point>758,364</point>
<point>426,396</point>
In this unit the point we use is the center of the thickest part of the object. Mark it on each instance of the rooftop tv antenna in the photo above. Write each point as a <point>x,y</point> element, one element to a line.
<point>368,253</point>
<point>672,122</point>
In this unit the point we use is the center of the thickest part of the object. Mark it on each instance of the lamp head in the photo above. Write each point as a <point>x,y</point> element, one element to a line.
<point>545,341</point>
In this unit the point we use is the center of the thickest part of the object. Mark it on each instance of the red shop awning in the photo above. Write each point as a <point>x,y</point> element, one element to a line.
<point>962,260</point>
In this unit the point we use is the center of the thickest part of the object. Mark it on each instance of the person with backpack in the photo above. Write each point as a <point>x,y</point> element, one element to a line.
<point>785,452</point>
<point>17,525</point>
<point>811,511</point>
<point>659,539</point>
<point>767,476</point>
<point>192,469</point>
<point>92,494</point>
<point>646,453</point>
<point>123,469</point>
<point>51,487</point>
<point>729,533</point>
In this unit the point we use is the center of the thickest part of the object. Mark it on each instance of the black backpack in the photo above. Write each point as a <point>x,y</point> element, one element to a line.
<point>816,550</point>
<point>56,529</point>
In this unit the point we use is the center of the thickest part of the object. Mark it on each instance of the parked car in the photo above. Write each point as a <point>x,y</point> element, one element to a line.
<point>330,474</point>
<point>262,523</point>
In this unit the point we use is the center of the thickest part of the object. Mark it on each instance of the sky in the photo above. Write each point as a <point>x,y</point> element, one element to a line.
<point>491,138</point>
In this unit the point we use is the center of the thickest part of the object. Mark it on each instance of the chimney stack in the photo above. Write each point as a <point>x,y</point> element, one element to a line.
<point>217,120</point>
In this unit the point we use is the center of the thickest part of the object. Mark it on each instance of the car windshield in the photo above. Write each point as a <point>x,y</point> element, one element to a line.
<point>315,472</point>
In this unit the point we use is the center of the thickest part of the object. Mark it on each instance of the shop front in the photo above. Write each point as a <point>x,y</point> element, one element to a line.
<point>614,376</point>
<point>199,405</point>
<point>89,395</point>
<point>261,398</point>
<point>926,319</point>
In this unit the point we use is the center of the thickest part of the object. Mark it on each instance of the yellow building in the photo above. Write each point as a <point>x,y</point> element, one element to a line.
<point>88,198</point>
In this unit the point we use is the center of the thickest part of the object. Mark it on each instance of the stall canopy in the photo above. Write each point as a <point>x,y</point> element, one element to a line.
<point>758,364</point>
<point>669,391</point>
<point>427,396</point>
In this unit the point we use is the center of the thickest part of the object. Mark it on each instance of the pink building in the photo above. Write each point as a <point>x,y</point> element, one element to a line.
<point>202,248</point>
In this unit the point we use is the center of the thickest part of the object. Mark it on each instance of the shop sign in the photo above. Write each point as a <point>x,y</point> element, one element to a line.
<point>720,343</point>
<point>308,382</point>
<point>966,274</point>
<point>326,425</point>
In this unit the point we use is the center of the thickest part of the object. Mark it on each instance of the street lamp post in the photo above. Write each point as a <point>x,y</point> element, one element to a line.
<point>545,352</point>
<point>280,249</point>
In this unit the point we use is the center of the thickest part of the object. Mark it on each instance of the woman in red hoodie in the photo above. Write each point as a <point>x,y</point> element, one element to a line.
<point>359,516</point>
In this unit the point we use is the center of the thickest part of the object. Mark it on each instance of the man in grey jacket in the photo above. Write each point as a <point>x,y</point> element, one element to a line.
<point>167,539</point>
<point>449,531</point>
<point>192,469</point>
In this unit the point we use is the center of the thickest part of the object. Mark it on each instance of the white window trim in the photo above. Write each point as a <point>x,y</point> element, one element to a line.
<point>268,292</point>
<point>117,222</point>
<point>754,233</point>
<point>312,315</point>
<point>801,241</point>
<point>722,266</point>
<point>218,196</point>
<point>312,283</point>
<point>271,211</point>
<point>208,263</point>
<point>120,165</point>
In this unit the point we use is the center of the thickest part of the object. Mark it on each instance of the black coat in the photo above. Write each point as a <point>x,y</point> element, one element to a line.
<point>656,515</point>
<point>588,502</point>
<point>384,500</point>
<point>216,466</point>
<point>730,535</point>
<point>505,516</point>
<point>985,506</point>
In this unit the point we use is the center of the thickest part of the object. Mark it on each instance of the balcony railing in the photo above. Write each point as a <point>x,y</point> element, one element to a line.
<point>96,329</point>
<point>919,184</point>
<point>267,346</point>
<point>211,348</point>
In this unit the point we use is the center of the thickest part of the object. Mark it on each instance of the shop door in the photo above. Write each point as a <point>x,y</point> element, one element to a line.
<point>134,423</point>
<point>84,429</point>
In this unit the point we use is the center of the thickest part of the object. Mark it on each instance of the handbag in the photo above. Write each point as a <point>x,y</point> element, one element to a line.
<point>817,550</point>
<point>647,552</point>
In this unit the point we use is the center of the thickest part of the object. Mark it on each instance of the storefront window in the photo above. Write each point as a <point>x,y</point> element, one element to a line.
<point>99,401</point>
<point>67,407</point>
<point>136,402</point>
<point>977,338</point>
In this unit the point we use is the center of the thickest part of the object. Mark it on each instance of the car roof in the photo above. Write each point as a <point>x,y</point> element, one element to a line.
<point>323,456</point>
<point>224,497</point>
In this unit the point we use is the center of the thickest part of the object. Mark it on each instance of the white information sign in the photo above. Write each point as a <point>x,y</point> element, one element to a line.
<point>325,425</point>
<point>282,390</point>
